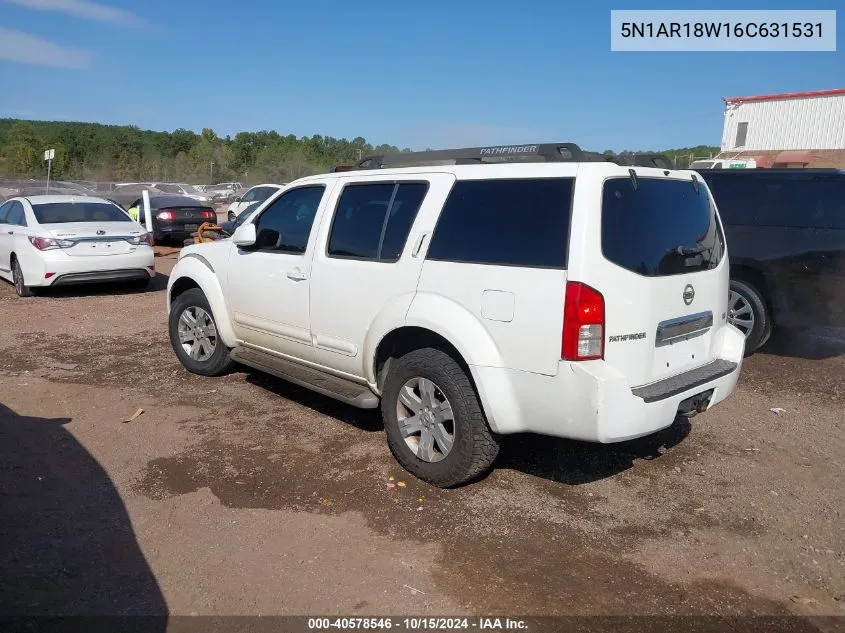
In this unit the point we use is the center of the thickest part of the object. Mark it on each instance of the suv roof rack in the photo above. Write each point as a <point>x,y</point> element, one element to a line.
<point>645,159</point>
<point>536,152</point>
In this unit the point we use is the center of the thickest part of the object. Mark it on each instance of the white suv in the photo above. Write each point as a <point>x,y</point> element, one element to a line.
<point>570,297</point>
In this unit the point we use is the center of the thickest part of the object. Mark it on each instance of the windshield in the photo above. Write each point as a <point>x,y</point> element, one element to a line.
<point>166,188</point>
<point>658,227</point>
<point>62,212</point>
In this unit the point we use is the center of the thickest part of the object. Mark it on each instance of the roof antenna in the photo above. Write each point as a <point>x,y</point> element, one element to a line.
<point>695,183</point>
<point>634,181</point>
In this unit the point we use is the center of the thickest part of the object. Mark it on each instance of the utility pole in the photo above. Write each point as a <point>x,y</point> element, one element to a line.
<point>211,173</point>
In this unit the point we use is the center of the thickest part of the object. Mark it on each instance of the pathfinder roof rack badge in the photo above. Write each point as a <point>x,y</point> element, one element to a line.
<point>536,152</point>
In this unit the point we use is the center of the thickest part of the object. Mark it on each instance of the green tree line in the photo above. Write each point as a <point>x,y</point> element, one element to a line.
<point>91,151</point>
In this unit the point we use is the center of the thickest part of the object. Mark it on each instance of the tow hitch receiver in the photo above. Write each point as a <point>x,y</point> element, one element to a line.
<point>695,404</point>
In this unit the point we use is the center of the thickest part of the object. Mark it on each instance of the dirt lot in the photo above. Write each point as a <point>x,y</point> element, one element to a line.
<point>245,495</point>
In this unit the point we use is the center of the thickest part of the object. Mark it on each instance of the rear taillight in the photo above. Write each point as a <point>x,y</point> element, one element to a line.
<point>144,238</point>
<point>583,323</point>
<point>208,215</point>
<point>48,243</point>
<point>166,215</point>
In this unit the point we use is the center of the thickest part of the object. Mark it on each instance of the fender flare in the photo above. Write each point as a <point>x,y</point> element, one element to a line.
<point>390,319</point>
<point>197,268</point>
<point>463,329</point>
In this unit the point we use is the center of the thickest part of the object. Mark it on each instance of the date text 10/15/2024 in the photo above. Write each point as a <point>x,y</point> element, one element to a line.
<point>416,624</point>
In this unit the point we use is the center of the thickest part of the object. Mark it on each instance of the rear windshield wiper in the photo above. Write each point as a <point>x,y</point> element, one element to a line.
<point>688,251</point>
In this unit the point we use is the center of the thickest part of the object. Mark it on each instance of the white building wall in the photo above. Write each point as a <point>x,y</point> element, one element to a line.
<point>799,123</point>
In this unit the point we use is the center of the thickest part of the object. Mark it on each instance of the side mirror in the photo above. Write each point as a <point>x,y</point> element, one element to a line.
<point>244,235</point>
<point>238,199</point>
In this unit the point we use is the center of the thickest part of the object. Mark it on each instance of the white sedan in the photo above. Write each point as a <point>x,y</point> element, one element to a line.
<point>258,193</point>
<point>61,240</point>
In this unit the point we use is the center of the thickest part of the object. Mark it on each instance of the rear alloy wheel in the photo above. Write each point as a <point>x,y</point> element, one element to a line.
<point>20,286</point>
<point>193,335</point>
<point>747,311</point>
<point>425,419</point>
<point>435,426</point>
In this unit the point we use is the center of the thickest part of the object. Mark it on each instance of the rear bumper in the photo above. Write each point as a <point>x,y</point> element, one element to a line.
<point>68,270</point>
<point>592,401</point>
<point>102,276</point>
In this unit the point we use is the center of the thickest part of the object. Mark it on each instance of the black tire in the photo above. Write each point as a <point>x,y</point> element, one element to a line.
<point>220,361</point>
<point>475,446</point>
<point>760,332</point>
<point>20,286</point>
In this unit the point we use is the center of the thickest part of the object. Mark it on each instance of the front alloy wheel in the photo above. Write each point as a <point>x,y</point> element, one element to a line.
<point>194,336</point>
<point>197,333</point>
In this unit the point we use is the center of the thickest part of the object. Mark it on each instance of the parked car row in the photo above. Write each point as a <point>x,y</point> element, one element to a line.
<point>574,297</point>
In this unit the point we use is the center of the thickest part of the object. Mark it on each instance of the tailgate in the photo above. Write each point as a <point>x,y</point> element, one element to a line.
<point>661,264</point>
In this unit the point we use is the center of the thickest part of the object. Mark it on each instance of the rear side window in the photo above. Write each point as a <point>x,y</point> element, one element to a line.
<point>518,222</point>
<point>786,200</point>
<point>662,227</point>
<point>373,220</point>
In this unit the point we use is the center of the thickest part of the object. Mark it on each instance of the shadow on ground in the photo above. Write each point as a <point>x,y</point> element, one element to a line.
<point>572,462</point>
<point>68,547</point>
<point>811,344</point>
<point>563,461</point>
<point>364,419</point>
<point>157,284</point>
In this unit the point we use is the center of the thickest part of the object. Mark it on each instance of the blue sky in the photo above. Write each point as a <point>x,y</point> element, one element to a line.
<point>407,73</point>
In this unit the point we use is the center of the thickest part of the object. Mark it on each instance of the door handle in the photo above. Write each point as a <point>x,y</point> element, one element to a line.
<point>296,275</point>
<point>418,246</point>
<point>10,232</point>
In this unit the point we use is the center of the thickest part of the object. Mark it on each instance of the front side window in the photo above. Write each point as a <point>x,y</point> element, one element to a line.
<point>372,221</point>
<point>16,215</point>
<point>659,227</point>
<point>513,222</point>
<point>262,193</point>
<point>285,225</point>
<point>4,211</point>
<point>62,212</point>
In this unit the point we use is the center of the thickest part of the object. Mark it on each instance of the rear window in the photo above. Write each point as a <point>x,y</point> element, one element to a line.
<point>61,212</point>
<point>661,228</point>
<point>518,222</point>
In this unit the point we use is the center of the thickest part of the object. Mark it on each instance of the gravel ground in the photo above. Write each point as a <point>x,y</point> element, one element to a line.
<point>246,495</point>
